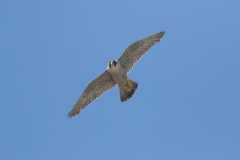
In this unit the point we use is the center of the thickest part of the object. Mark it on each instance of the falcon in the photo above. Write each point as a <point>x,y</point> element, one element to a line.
<point>116,74</point>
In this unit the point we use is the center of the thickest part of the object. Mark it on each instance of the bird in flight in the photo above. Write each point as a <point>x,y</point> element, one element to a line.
<point>116,74</point>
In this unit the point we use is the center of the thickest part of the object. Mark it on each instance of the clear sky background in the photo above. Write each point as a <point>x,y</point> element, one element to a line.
<point>187,105</point>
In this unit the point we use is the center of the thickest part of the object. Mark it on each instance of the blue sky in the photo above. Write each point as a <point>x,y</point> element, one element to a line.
<point>187,105</point>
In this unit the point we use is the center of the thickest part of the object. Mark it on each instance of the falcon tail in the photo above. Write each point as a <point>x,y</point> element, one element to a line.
<point>127,90</point>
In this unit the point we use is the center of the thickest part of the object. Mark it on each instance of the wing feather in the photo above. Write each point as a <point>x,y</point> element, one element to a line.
<point>135,51</point>
<point>94,90</point>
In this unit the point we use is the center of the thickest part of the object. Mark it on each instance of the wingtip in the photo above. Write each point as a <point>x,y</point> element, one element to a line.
<point>73,113</point>
<point>162,32</point>
<point>70,115</point>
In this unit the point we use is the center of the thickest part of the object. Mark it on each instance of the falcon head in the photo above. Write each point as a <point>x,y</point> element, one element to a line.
<point>112,64</point>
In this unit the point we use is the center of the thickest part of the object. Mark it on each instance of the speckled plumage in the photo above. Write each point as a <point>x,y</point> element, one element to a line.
<point>135,51</point>
<point>116,73</point>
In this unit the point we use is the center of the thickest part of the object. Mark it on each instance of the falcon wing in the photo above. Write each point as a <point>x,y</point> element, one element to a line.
<point>95,89</point>
<point>135,51</point>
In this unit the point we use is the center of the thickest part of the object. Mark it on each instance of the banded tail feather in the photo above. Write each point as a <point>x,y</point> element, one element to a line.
<point>127,90</point>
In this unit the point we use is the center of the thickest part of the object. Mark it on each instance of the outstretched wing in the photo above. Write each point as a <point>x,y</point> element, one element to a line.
<point>135,51</point>
<point>95,89</point>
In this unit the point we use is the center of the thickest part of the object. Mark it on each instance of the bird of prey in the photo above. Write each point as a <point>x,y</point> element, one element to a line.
<point>116,74</point>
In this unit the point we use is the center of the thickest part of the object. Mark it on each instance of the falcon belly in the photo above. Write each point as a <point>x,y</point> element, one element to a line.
<point>126,86</point>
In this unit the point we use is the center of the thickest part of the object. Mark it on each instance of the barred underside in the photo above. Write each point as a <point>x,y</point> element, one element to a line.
<point>108,80</point>
<point>125,94</point>
<point>135,51</point>
<point>93,91</point>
